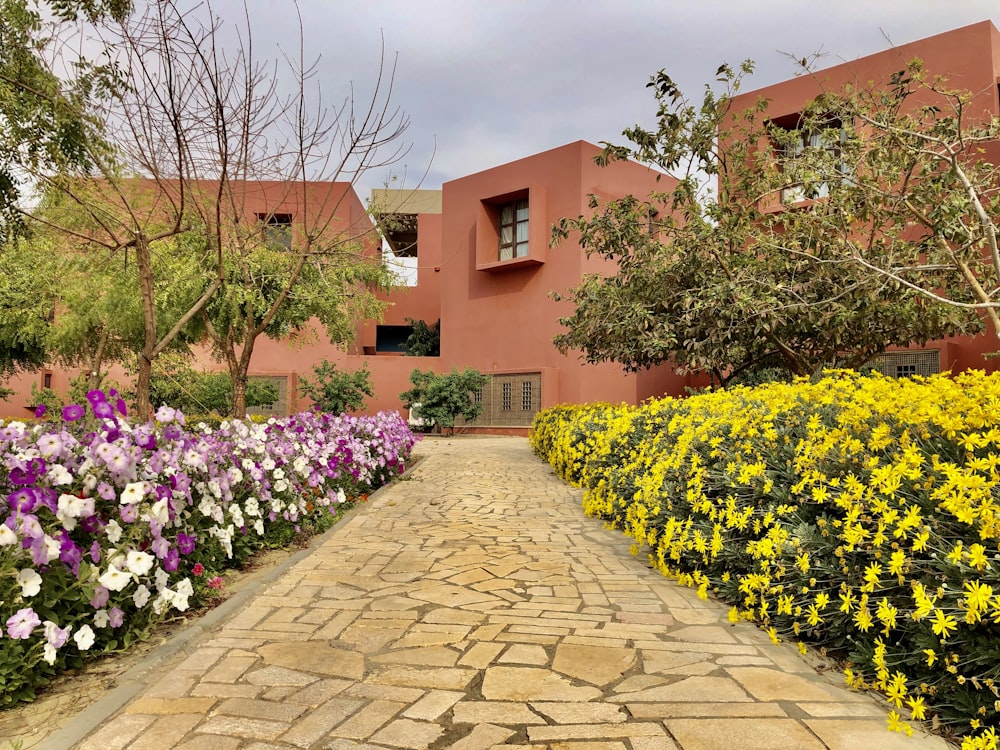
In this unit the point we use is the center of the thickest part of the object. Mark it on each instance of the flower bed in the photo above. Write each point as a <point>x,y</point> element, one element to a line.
<point>106,527</point>
<point>856,513</point>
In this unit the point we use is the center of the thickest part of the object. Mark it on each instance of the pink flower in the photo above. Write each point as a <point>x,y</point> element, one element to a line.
<point>216,583</point>
<point>198,569</point>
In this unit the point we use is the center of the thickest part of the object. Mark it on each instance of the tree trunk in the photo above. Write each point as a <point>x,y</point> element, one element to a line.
<point>144,262</point>
<point>239,376</point>
<point>143,381</point>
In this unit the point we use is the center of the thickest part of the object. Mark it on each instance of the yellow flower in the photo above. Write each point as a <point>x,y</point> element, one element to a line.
<point>896,562</point>
<point>931,656</point>
<point>943,624</point>
<point>977,556</point>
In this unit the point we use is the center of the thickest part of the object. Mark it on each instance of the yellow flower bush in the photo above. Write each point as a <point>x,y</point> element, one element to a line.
<point>858,513</point>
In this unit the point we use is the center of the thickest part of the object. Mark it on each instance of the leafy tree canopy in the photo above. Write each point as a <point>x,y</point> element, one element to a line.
<point>753,273</point>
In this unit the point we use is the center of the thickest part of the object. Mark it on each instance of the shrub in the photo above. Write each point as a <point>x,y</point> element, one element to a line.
<point>443,398</point>
<point>337,392</point>
<point>855,513</point>
<point>207,392</point>
<point>107,527</point>
<point>425,341</point>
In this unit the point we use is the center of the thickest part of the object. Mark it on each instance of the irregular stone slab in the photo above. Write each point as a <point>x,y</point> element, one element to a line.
<point>451,596</point>
<point>661,661</point>
<point>275,676</point>
<point>639,682</point>
<point>520,653</point>
<point>595,732</point>
<point>747,734</point>
<point>494,712</point>
<point>701,689</point>
<point>306,656</point>
<point>532,684</point>
<point>444,678</point>
<point>581,713</point>
<point>849,734</point>
<point>771,685</point>
<point>702,634</point>
<point>431,656</point>
<point>406,733</point>
<point>482,737</point>
<point>598,665</point>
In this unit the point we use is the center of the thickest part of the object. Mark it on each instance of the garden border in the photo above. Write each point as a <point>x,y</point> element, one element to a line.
<point>137,677</point>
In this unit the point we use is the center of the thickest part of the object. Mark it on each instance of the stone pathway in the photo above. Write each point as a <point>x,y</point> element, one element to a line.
<point>473,606</point>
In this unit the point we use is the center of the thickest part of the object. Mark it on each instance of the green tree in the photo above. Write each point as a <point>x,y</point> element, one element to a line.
<point>722,280</point>
<point>443,398</point>
<point>425,340</point>
<point>337,392</point>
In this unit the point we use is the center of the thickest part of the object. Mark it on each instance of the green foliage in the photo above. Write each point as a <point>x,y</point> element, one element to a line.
<point>722,281</point>
<point>442,398</point>
<point>196,392</point>
<point>425,341</point>
<point>337,392</point>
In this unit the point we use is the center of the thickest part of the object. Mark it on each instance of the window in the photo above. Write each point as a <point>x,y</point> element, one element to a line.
<point>823,144</point>
<point>477,396</point>
<point>526,395</point>
<point>514,230</point>
<point>905,371</point>
<point>47,380</point>
<point>277,229</point>
<point>507,397</point>
<point>391,339</point>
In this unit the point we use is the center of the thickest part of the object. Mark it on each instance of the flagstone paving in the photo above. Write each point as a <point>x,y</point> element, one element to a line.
<point>473,606</point>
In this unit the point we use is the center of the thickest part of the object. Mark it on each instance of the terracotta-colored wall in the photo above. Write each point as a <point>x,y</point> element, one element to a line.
<point>504,318</point>
<point>969,57</point>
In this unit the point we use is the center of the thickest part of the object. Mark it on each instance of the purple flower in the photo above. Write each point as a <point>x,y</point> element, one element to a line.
<point>115,617</point>
<point>21,624</point>
<point>120,405</point>
<point>22,476</point>
<point>95,552</point>
<point>103,410</point>
<point>172,560</point>
<point>40,411</point>
<point>100,598</point>
<point>95,397</point>
<point>72,412</point>
<point>185,543</point>
<point>160,547</point>
<point>127,513</point>
<point>24,500</point>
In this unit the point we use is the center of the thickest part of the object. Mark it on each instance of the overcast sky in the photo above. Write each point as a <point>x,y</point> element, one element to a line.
<point>484,83</point>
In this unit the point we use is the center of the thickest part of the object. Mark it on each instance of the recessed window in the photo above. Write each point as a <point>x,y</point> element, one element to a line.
<point>526,395</point>
<point>506,396</point>
<point>277,229</point>
<point>807,153</point>
<point>391,339</point>
<point>47,380</point>
<point>514,230</point>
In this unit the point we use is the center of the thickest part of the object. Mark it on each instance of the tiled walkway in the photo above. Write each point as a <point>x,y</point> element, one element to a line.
<point>473,606</point>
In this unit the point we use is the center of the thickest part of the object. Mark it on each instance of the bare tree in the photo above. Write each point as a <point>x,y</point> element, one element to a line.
<point>195,127</point>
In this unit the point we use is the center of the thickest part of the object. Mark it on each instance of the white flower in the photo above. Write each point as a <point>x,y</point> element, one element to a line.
<point>52,548</point>
<point>184,587</point>
<point>251,507</point>
<point>159,511</point>
<point>341,496</point>
<point>101,618</point>
<point>139,563</point>
<point>267,464</point>
<point>280,486</point>
<point>133,493</point>
<point>49,653</point>
<point>258,526</point>
<point>113,531</point>
<point>165,414</point>
<point>30,582</point>
<point>141,596</point>
<point>207,505</point>
<point>278,473</point>
<point>214,487</point>
<point>59,474</point>
<point>235,475</point>
<point>114,579</point>
<point>161,578</point>
<point>84,637</point>
<point>7,537</point>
